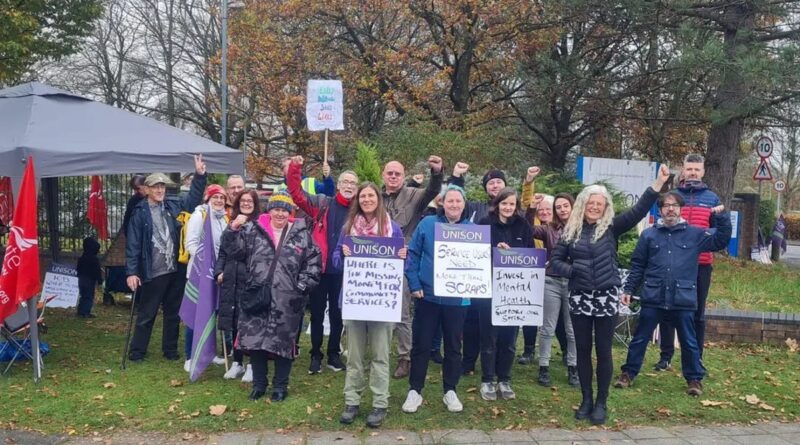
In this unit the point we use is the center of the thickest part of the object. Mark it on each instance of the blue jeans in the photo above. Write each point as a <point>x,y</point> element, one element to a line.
<point>683,322</point>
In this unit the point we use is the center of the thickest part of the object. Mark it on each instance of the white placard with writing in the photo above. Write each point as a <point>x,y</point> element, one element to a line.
<point>372,284</point>
<point>61,282</point>
<point>324,105</point>
<point>518,286</point>
<point>462,262</point>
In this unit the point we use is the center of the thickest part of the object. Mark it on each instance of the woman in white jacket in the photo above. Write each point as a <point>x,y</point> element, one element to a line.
<point>214,208</point>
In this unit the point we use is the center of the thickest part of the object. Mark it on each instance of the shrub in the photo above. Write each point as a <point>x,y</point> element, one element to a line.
<point>766,216</point>
<point>792,226</point>
<point>366,164</point>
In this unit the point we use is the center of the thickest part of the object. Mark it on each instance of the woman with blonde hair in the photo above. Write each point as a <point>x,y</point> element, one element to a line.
<point>587,255</point>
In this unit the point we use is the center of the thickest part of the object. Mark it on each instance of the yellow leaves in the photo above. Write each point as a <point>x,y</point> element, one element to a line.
<point>109,385</point>
<point>98,397</point>
<point>751,399</point>
<point>217,410</point>
<point>715,403</point>
<point>175,383</point>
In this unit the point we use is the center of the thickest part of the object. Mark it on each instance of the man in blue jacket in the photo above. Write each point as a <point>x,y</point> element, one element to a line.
<point>151,253</point>
<point>665,264</point>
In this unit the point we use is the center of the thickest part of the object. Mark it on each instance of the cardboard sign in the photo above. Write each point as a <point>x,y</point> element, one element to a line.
<point>61,282</point>
<point>324,105</point>
<point>462,262</point>
<point>518,286</point>
<point>372,285</point>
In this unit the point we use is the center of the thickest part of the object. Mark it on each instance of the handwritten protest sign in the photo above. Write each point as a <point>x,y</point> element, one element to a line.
<point>372,285</point>
<point>61,281</point>
<point>324,105</point>
<point>462,263</point>
<point>518,286</point>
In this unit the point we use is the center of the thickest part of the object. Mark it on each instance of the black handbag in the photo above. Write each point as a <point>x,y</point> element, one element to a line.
<point>257,299</point>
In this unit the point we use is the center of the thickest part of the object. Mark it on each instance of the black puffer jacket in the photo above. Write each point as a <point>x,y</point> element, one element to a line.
<point>234,278</point>
<point>516,232</point>
<point>593,265</point>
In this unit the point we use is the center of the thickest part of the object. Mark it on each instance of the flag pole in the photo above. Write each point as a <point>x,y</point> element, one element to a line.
<point>34,327</point>
<point>325,158</point>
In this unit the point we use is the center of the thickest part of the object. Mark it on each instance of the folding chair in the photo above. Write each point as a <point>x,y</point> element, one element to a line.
<point>16,331</point>
<point>627,315</point>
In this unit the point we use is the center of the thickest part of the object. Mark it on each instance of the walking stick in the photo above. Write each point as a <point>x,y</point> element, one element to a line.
<point>130,326</point>
<point>224,349</point>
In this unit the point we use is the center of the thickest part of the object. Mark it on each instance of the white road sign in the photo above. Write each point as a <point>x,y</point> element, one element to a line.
<point>764,147</point>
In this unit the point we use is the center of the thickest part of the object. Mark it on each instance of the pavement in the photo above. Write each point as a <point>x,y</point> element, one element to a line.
<point>767,433</point>
<point>792,255</point>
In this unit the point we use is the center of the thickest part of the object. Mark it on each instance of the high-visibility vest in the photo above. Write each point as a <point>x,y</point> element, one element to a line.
<point>309,185</point>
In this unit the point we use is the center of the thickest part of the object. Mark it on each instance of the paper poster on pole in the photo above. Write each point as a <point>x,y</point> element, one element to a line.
<point>462,262</point>
<point>372,284</point>
<point>324,105</point>
<point>61,282</point>
<point>518,286</point>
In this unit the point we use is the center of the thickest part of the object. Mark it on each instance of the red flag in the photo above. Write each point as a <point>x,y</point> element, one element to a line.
<point>98,212</point>
<point>19,280</point>
<point>6,200</point>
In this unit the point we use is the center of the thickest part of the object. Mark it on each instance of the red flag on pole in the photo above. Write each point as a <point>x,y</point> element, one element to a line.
<point>19,280</point>
<point>98,212</point>
<point>6,200</point>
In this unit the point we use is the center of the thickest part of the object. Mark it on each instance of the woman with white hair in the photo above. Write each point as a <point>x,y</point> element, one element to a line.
<point>587,255</point>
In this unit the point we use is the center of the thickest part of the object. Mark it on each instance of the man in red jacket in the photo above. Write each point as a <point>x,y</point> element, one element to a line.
<point>701,204</point>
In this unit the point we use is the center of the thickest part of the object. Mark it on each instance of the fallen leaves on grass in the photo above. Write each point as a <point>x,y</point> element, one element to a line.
<point>715,403</point>
<point>217,410</point>
<point>98,397</point>
<point>793,345</point>
<point>751,399</point>
<point>175,383</point>
<point>766,407</point>
<point>109,385</point>
<point>665,411</point>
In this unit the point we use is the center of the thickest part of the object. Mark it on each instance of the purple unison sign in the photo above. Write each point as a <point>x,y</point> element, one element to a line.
<point>518,286</point>
<point>372,285</point>
<point>462,263</point>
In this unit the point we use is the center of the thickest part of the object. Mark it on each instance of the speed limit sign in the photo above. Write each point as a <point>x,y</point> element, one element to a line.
<point>764,147</point>
<point>779,186</point>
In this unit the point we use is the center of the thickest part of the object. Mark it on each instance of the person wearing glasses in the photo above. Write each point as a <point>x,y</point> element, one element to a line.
<point>665,264</point>
<point>328,216</point>
<point>405,206</point>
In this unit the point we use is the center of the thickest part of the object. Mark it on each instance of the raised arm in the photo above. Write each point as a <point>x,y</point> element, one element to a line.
<point>294,184</point>
<point>629,218</point>
<point>719,237</point>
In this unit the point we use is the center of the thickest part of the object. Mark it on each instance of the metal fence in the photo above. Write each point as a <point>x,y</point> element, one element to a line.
<point>71,208</point>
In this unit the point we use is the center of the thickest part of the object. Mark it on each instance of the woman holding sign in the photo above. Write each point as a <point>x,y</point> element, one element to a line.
<point>587,255</point>
<point>367,218</point>
<point>430,310</point>
<point>498,343</point>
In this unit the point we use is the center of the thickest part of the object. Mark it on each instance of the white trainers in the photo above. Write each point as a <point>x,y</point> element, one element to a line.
<point>488,391</point>
<point>505,391</point>
<point>413,402</point>
<point>187,365</point>
<point>218,360</point>
<point>452,403</point>
<point>248,374</point>
<point>234,371</point>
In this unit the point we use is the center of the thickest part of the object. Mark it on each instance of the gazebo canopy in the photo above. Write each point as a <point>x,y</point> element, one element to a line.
<point>70,135</point>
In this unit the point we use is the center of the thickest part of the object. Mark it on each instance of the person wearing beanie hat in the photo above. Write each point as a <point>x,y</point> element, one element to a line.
<point>328,216</point>
<point>271,331</point>
<point>151,253</point>
<point>493,181</point>
<point>280,200</point>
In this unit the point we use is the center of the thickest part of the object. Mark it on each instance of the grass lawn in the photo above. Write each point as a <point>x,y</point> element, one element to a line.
<point>746,285</point>
<point>84,391</point>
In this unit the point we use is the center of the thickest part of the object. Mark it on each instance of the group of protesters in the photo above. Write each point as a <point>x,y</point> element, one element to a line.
<point>271,265</point>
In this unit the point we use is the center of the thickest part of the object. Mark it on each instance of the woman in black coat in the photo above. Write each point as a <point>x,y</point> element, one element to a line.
<point>587,255</point>
<point>232,276</point>
<point>498,343</point>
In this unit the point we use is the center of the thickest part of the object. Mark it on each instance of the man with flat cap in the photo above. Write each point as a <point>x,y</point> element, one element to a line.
<point>151,251</point>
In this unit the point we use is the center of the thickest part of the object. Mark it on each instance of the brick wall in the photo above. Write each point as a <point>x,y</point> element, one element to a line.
<point>751,327</point>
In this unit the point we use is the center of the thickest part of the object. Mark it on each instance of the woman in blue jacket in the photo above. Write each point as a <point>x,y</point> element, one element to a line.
<point>430,310</point>
<point>367,218</point>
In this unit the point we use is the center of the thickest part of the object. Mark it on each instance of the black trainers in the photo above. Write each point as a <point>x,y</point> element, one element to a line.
<point>436,357</point>
<point>662,365</point>
<point>572,376</point>
<point>315,367</point>
<point>525,359</point>
<point>335,363</point>
<point>349,414</point>
<point>375,418</point>
<point>544,376</point>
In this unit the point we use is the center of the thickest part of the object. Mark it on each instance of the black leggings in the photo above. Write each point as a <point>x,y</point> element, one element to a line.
<point>603,328</point>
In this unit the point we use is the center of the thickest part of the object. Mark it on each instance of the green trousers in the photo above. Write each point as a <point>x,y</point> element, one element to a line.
<point>378,335</point>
